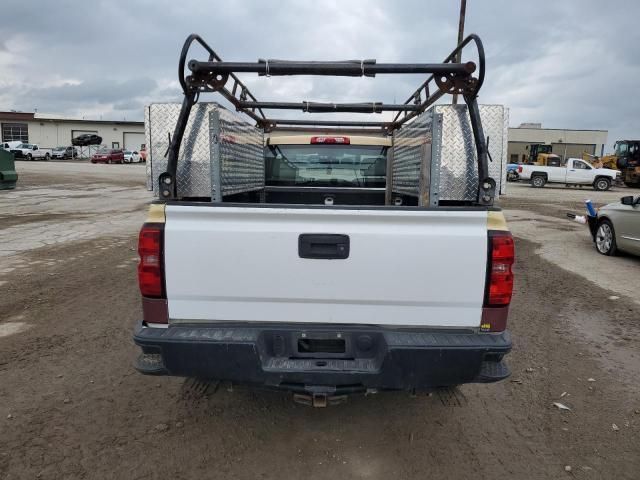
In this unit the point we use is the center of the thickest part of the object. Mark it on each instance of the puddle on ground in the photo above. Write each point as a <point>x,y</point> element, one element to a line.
<point>615,345</point>
<point>11,328</point>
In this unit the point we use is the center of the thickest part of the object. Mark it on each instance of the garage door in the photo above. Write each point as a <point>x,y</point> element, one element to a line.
<point>133,140</point>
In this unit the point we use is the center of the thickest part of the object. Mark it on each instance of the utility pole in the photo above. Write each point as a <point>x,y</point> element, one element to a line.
<point>463,11</point>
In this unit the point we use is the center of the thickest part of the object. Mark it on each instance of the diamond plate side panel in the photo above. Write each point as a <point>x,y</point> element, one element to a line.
<point>147,139</point>
<point>505,148</point>
<point>193,162</point>
<point>409,146</point>
<point>458,160</point>
<point>241,151</point>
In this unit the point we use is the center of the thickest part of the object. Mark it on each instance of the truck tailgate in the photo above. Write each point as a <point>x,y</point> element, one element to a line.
<point>404,267</point>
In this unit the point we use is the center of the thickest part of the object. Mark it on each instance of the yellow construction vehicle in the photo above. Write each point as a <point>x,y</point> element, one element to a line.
<point>540,154</point>
<point>626,158</point>
<point>608,161</point>
<point>627,153</point>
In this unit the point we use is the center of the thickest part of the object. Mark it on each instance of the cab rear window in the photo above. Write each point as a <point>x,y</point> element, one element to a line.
<point>332,165</point>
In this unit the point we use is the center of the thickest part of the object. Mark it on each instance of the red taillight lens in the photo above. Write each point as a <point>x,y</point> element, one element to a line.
<point>150,266</point>
<point>500,276</point>
<point>336,140</point>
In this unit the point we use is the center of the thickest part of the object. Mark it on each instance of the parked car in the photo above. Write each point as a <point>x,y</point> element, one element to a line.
<point>108,155</point>
<point>31,151</point>
<point>512,172</point>
<point>64,152</point>
<point>616,227</point>
<point>86,139</point>
<point>574,172</point>
<point>131,157</point>
<point>10,145</point>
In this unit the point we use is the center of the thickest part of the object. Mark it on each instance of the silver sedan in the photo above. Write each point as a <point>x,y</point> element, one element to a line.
<point>617,227</point>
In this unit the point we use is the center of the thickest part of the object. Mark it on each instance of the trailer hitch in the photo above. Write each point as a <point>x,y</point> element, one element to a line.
<point>319,396</point>
<point>318,400</point>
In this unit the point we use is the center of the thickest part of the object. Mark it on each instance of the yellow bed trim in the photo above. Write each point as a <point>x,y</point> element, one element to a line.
<point>156,213</point>
<point>496,221</point>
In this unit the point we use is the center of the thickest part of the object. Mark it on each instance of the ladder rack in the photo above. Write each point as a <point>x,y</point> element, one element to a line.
<point>215,75</point>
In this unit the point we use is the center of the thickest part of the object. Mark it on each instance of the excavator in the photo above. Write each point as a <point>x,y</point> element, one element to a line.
<point>540,154</point>
<point>626,158</point>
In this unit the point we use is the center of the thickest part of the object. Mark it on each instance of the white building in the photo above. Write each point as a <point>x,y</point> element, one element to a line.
<point>564,142</point>
<point>49,131</point>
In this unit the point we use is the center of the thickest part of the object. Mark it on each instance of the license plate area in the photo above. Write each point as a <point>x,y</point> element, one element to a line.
<point>322,345</point>
<point>343,344</point>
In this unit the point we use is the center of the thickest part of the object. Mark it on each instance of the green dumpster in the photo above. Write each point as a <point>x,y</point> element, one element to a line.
<point>8,174</point>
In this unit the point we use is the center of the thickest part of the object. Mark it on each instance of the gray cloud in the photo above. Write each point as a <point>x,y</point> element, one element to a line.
<point>100,91</point>
<point>570,64</point>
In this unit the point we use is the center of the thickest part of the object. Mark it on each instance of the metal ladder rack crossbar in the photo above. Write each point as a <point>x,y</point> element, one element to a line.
<point>447,77</point>
<point>348,68</point>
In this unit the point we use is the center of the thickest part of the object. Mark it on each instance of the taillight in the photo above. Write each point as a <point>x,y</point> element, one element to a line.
<point>150,266</point>
<point>332,140</point>
<point>499,276</point>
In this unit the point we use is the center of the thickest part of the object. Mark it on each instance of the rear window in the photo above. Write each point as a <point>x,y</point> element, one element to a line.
<point>326,165</point>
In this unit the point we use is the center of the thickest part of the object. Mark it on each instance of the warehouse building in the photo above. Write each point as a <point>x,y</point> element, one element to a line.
<point>566,143</point>
<point>49,131</point>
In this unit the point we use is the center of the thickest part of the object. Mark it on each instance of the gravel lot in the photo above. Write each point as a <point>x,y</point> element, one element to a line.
<point>71,405</point>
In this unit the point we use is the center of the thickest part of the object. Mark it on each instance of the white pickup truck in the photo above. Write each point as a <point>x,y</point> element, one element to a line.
<point>9,145</point>
<point>31,151</point>
<point>574,172</point>
<point>325,280</point>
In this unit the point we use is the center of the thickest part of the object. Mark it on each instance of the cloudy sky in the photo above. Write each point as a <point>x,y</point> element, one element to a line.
<point>565,63</point>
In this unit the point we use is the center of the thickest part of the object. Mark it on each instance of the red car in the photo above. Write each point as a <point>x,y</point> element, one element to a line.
<point>108,155</point>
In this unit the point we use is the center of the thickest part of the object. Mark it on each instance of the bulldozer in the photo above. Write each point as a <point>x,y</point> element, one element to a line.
<point>626,158</point>
<point>540,154</point>
<point>608,161</point>
<point>627,154</point>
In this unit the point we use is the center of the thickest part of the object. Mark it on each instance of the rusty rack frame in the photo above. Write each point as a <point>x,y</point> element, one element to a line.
<point>448,77</point>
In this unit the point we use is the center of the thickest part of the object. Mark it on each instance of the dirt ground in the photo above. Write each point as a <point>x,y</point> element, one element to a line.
<point>72,406</point>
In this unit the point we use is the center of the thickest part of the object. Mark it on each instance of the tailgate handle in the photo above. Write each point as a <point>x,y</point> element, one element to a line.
<point>327,246</point>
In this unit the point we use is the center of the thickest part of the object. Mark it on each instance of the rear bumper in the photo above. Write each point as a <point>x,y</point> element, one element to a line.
<point>369,357</point>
